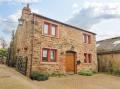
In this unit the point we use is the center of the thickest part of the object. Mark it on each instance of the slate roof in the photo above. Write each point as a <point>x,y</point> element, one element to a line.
<point>108,45</point>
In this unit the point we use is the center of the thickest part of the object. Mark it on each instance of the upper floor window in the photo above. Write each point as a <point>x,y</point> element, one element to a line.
<point>86,38</point>
<point>46,28</point>
<point>50,29</point>
<point>53,30</point>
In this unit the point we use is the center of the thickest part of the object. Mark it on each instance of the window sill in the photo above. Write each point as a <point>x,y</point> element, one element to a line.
<point>50,36</point>
<point>87,63</point>
<point>87,43</point>
<point>49,63</point>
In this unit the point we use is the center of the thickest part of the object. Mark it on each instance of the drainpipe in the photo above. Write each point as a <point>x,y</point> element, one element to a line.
<point>32,39</point>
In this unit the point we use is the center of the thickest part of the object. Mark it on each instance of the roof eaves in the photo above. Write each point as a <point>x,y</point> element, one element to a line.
<point>63,23</point>
<point>108,52</point>
<point>108,39</point>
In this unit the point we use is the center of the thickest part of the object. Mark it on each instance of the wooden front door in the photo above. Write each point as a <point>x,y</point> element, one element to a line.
<point>70,62</point>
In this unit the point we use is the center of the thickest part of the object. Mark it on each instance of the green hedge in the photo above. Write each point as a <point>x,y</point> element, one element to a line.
<point>114,71</point>
<point>39,76</point>
<point>85,73</point>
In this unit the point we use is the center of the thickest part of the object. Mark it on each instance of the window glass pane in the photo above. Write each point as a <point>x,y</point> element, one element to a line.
<point>84,38</point>
<point>85,55</point>
<point>52,55</point>
<point>46,28</point>
<point>53,31</point>
<point>89,58</point>
<point>44,55</point>
<point>89,39</point>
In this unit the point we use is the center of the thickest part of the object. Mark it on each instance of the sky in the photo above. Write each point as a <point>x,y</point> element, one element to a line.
<point>99,16</point>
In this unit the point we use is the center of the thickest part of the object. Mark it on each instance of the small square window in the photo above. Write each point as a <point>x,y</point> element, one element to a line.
<point>50,29</point>
<point>88,58</point>
<point>86,38</point>
<point>49,55</point>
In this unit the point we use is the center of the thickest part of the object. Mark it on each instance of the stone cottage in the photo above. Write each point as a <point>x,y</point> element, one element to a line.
<point>54,46</point>
<point>108,54</point>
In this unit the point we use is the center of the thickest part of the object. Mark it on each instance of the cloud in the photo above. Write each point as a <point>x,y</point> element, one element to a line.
<point>20,1</point>
<point>92,13</point>
<point>14,17</point>
<point>75,5</point>
<point>75,8</point>
<point>10,23</point>
<point>35,10</point>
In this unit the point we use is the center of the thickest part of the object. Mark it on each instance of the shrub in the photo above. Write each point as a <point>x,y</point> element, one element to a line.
<point>3,53</point>
<point>116,71</point>
<point>39,76</point>
<point>86,72</point>
<point>110,70</point>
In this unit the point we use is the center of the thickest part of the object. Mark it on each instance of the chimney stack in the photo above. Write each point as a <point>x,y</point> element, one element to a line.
<point>26,11</point>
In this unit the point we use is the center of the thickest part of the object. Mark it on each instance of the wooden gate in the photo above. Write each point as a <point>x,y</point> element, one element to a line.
<point>22,64</point>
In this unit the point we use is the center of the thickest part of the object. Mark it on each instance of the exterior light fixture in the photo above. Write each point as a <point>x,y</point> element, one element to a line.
<point>72,47</point>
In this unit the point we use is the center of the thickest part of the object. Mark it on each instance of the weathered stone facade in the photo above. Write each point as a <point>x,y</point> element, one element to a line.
<point>30,40</point>
<point>108,54</point>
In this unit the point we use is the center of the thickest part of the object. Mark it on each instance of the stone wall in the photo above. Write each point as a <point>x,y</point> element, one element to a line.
<point>24,36</point>
<point>30,41</point>
<point>69,37</point>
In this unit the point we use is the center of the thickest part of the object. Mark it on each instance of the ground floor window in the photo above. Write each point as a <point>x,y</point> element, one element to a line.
<point>49,55</point>
<point>45,55</point>
<point>87,58</point>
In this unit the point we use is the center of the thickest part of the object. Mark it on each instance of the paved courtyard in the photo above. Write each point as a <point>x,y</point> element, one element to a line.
<point>10,79</point>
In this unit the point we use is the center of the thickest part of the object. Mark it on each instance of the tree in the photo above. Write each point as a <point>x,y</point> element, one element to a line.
<point>11,53</point>
<point>3,42</point>
<point>3,53</point>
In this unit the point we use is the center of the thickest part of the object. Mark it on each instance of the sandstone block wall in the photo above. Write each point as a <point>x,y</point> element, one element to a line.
<point>30,41</point>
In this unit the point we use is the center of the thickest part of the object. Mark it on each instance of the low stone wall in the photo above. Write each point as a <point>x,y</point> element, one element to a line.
<point>49,68</point>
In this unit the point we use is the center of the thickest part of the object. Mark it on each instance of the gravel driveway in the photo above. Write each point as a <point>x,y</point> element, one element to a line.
<point>10,79</point>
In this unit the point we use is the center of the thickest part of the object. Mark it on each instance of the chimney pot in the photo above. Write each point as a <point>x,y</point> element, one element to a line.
<point>27,5</point>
